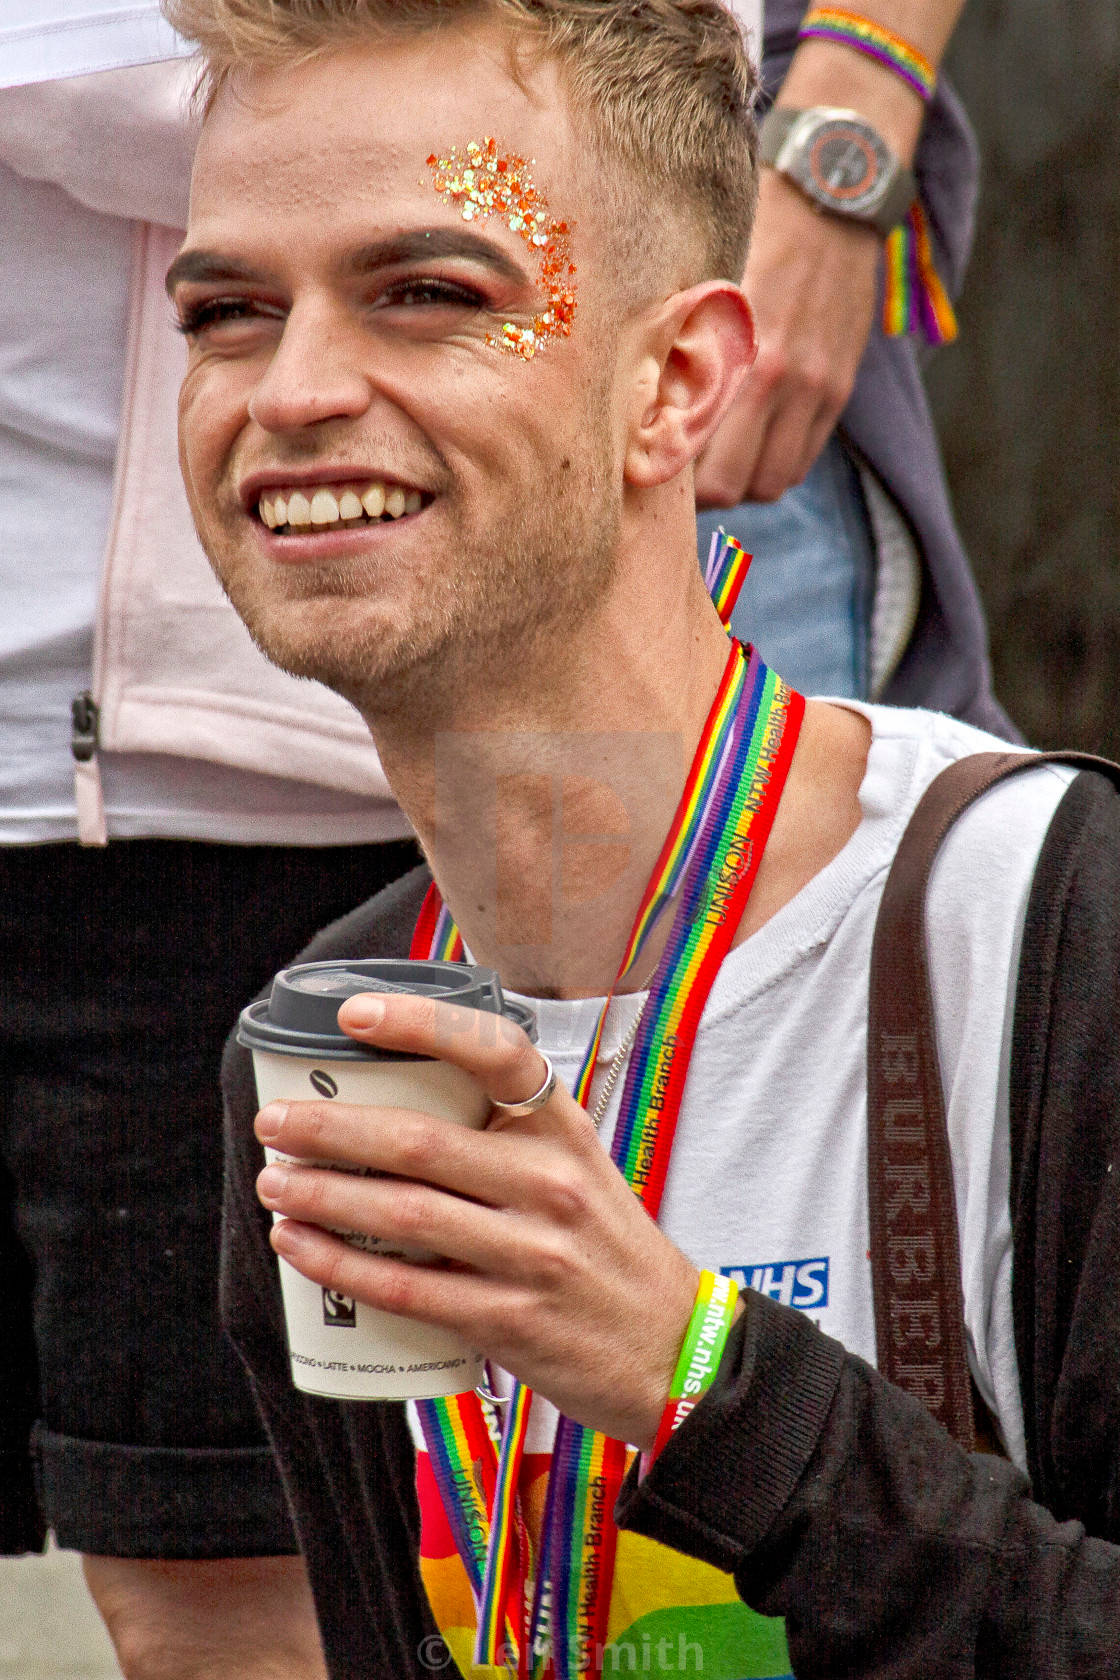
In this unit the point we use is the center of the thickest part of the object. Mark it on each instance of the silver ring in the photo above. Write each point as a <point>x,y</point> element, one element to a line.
<point>538,1099</point>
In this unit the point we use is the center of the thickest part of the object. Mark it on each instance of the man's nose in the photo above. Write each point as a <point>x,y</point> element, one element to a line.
<point>314,374</point>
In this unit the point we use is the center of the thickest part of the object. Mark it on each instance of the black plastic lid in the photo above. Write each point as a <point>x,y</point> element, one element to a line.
<point>300,1015</point>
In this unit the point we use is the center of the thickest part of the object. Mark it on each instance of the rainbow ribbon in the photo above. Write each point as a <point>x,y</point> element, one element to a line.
<point>760,717</point>
<point>722,822</point>
<point>435,936</point>
<point>462,1454</point>
<point>507,1565</point>
<point>725,573</point>
<point>914,298</point>
<point>714,848</point>
<point>679,850</point>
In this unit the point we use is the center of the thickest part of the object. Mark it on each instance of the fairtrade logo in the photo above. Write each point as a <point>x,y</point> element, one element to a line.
<point>339,1309</point>
<point>323,1083</point>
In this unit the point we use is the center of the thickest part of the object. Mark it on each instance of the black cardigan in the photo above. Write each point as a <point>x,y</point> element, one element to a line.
<point>832,1497</point>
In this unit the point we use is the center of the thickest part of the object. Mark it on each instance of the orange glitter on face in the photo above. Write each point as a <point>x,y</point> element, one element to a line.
<point>482,184</point>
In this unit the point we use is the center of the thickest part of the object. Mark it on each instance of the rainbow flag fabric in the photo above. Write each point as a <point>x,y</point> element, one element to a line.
<point>669,1615</point>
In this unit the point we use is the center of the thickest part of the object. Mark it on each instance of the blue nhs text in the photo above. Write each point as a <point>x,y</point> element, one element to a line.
<point>795,1283</point>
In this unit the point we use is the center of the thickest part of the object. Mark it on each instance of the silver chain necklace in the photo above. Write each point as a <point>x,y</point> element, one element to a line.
<point>616,1066</point>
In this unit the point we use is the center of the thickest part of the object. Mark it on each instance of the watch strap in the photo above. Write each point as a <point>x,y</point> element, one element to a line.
<point>775,131</point>
<point>778,125</point>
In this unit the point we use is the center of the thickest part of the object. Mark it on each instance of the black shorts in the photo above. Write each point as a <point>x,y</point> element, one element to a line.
<point>126,1422</point>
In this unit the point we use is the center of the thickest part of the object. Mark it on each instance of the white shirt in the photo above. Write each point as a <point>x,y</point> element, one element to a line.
<point>750,15</point>
<point>768,1176</point>
<point>44,39</point>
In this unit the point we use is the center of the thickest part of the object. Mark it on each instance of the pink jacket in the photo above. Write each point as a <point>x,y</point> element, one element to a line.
<point>174,668</point>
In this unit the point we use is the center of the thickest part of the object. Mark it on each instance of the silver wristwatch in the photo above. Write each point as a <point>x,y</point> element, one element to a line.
<point>840,162</point>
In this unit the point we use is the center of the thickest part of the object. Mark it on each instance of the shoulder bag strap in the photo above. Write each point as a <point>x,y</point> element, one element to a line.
<point>915,1253</point>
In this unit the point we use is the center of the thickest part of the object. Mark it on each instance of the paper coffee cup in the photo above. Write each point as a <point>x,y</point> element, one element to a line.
<point>339,1347</point>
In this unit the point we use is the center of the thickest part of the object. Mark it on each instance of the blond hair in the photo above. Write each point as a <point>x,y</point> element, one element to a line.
<point>665,85</point>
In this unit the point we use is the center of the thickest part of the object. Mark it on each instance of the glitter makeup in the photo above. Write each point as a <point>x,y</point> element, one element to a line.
<point>482,184</point>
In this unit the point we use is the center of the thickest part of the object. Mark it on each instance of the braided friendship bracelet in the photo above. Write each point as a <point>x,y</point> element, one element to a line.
<point>701,1352</point>
<point>833,23</point>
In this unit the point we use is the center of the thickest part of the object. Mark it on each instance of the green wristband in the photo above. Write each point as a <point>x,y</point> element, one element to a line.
<point>701,1351</point>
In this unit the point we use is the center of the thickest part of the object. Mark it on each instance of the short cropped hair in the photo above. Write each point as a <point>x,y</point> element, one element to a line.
<point>666,88</point>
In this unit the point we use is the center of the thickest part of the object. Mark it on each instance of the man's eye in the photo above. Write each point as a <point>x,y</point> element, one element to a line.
<point>194,318</point>
<point>412,294</point>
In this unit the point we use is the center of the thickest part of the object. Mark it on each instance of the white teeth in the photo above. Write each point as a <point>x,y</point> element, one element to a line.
<point>324,508</point>
<point>332,507</point>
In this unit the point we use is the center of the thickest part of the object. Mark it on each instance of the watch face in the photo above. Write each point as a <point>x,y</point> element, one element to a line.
<point>844,165</point>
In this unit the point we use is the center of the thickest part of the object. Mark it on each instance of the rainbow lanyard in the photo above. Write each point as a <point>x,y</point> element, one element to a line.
<point>713,849</point>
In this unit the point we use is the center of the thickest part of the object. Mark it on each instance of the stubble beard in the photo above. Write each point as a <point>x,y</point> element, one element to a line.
<point>497,603</point>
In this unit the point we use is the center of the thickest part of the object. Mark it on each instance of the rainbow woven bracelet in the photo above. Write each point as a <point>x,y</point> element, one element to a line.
<point>832,23</point>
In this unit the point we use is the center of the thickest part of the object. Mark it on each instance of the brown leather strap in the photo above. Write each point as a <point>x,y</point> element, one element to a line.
<point>915,1253</point>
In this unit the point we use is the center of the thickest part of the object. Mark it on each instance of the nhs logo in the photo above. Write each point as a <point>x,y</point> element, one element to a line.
<point>795,1283</point>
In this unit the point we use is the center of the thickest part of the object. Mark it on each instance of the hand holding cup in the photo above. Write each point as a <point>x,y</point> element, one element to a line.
<point>551,1267</point>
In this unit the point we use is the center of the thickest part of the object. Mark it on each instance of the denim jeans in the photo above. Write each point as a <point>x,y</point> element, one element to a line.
<point>806,603</point>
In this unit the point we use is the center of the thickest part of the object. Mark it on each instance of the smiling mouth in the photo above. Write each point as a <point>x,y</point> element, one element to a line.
<point>296,511</point>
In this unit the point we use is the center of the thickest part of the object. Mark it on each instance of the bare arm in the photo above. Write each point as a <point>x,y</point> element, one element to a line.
<point>811,278</point>
<point>119,142</point>
<point>209,1619</point>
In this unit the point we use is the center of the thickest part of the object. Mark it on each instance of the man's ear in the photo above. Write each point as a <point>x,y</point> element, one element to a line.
<point>697,347</point>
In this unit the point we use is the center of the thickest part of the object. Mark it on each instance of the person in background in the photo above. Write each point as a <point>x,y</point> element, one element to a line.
<point>827,466</point>
<point>227,811</point>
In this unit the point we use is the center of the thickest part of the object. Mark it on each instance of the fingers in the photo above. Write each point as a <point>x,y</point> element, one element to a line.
<point>495,1050</point>
<point>528,1244</point>
<point>433,1295</point>
<point>400,1213</point>
<point>797,430</point>
<point>429,1173</point>
<point>594,1326</point>
<point>407,1142</point>
<point>773,432</point>
<point>726,467</point>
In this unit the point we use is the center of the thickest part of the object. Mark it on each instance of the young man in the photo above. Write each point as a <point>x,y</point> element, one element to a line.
<point>455,290</point>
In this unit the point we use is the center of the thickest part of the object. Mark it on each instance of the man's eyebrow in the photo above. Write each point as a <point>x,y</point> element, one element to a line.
<point>394,250</point>
<point>418,244</point>
<point>207,265</point>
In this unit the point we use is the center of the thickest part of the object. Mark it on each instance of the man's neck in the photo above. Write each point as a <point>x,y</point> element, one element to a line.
<point>543,801</point>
